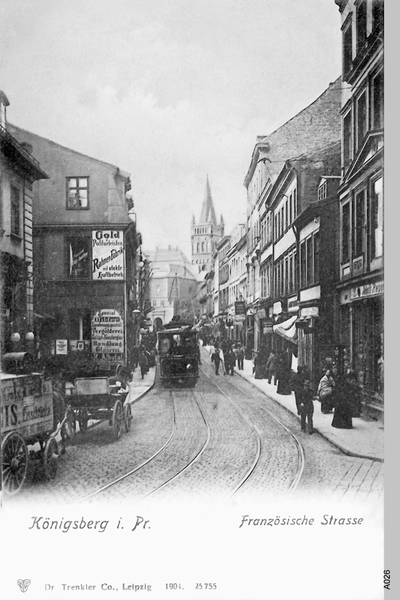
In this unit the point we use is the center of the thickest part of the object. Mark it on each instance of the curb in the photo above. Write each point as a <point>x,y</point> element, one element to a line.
<point>335,444</point>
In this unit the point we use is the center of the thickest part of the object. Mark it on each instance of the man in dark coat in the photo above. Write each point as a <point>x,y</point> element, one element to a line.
<point>216,359</point>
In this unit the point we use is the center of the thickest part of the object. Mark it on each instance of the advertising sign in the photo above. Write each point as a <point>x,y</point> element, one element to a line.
<point>240,307</point>
<point>107,332</point>
<point>107,255</point>
<point>26,404</point>
<point>61,346</point>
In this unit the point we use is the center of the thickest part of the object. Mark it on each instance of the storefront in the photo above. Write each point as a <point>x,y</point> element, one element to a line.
<point>361,335</point>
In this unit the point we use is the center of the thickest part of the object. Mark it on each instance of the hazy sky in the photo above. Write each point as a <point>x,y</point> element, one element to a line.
<point>168,90</point>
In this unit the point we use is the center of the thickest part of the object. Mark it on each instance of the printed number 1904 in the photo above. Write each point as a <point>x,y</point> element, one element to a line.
<point>206,586</point>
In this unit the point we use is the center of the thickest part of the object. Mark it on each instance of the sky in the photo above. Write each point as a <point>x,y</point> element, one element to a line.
<point>171,91</point>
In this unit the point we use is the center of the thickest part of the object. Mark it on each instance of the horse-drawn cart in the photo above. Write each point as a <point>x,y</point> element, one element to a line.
<point>95,398</point>
<point>28,418</point>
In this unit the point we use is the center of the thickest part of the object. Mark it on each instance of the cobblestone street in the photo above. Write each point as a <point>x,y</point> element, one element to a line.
<point>200,444</point>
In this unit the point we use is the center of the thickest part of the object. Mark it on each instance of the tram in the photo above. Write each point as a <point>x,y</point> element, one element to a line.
<point>179,356</point>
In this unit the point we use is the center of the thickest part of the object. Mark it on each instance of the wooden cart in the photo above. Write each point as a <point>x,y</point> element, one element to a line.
<point>27,419</point>
<point>96,399</point>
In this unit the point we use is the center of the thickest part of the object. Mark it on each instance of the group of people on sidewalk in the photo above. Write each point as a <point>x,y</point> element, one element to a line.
<point>339,395</point>
<point>227,355</point>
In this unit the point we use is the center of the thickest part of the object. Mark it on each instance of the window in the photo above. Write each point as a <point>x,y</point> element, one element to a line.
<point>15,211</point>
<point>346,232</point>
<point>361,24</point>
<point>78,257</point>
<point>309,250</point>
<point>78,193</point>
<point>347,140</point>
<point>316,257</point>
<point>377,219</point>
<point>361,118</point>
<point>347,53</point>
<point>79,324</point>
<point>377,99</point>
<point>323,190</point>
<point>377,14</point>
<point>359,224</point>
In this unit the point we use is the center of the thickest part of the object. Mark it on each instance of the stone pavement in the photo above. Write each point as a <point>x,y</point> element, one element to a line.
<point>138,386</point>
<point>365,440</point>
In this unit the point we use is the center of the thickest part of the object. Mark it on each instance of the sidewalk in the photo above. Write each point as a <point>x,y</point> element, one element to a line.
<point>365,440</point>
<point>138,387</point>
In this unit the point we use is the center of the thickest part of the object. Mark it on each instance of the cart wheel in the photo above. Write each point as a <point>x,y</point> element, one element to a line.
<point>15,462</point>
<point>70,424</point>
<point>50,458</point>
<point>127,417</point>
<point>117,418</point>
<point>83,420</point>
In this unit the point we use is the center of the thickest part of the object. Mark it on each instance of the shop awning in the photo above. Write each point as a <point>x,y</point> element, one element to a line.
<point>287,329</point>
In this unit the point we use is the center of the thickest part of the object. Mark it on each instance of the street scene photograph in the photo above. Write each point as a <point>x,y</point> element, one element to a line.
<point>192,280</point>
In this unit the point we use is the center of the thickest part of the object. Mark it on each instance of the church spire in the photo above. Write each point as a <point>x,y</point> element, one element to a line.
<point>207,210</point>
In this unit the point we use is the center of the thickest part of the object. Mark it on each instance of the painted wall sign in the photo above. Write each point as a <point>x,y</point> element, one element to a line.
<point>370,289</point>
<point>107,255</point>
<point>107,332</point>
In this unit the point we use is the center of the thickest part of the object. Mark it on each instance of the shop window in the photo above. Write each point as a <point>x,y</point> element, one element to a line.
<point>15,211</point>
<point>78,193</point>
<point>78,249</point>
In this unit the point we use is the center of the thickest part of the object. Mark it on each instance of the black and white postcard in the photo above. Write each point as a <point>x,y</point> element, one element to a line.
<point>192,300</point>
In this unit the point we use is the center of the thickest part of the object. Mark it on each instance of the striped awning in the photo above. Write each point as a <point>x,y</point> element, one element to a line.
<point>287,329</point>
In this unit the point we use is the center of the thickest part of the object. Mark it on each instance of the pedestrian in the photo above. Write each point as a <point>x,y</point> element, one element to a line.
<point>230,360</point>
<point>284,374</point>
<point>344,390</point>
<point>143,363</point>
<point>325,392</point>
<point>306,407</point>
<point>216,359</point>
<point>272,367</point>
<point>240,357</point>
<point>297,384</point>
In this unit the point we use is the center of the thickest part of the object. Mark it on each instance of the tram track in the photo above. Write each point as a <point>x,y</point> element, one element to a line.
<point>111,484</point>
<point>300,450</point>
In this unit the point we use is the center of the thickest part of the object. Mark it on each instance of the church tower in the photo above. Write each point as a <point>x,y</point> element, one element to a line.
<point>206,234</point>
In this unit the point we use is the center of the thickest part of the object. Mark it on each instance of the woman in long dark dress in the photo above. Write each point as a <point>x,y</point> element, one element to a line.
<point>343,415</point>
<point>284,375</point>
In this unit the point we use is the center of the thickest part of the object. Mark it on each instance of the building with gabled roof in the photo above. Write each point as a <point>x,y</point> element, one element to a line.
<point>84,244</point>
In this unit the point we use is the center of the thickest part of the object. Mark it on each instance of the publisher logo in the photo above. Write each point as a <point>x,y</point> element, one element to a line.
<point>23,584</point>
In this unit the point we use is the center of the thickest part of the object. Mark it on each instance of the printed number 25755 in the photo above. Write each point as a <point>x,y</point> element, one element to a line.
<point>206,586</point>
